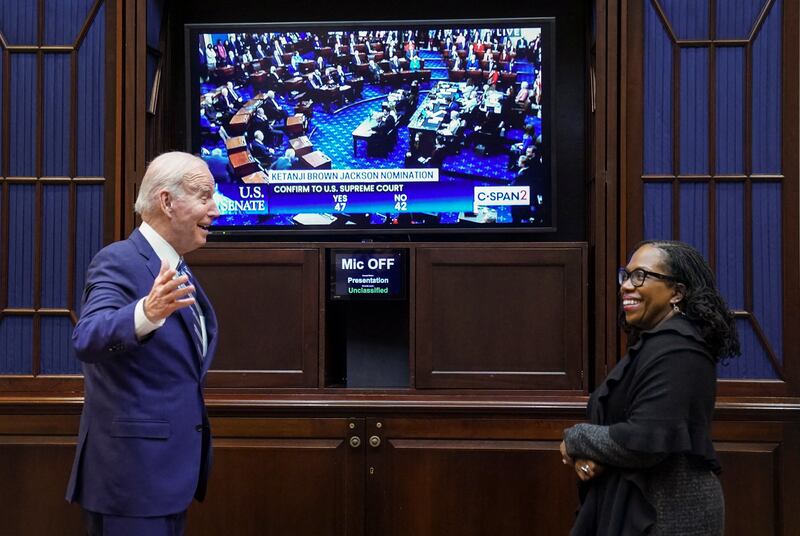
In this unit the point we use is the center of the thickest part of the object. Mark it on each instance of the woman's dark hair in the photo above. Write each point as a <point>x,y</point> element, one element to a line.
<point>702,303</point>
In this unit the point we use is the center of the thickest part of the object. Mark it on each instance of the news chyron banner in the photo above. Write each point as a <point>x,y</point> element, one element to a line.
<point>362,191</point>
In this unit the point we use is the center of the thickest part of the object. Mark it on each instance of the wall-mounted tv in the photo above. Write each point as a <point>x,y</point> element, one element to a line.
<point>394,126</point>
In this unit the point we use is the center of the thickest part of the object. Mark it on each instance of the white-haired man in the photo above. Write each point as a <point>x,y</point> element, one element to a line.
<point>146,337</point>
<point>273,109</point>
<point>287,161</point>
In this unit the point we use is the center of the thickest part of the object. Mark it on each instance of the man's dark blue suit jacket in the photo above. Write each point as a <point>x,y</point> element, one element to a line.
<point>144,443</point>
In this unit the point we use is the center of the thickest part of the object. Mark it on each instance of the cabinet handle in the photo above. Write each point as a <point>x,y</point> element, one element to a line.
<point>355,441</point>
<point>375,441</point>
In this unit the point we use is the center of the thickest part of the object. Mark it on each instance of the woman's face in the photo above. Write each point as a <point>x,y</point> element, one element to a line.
<point>650,304</point>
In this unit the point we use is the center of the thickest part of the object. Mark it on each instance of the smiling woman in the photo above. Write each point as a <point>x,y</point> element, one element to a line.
<point>648,301</point>
<point>646,463</point>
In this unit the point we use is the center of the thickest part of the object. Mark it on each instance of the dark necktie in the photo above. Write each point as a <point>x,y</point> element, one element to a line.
<point>197,329</point>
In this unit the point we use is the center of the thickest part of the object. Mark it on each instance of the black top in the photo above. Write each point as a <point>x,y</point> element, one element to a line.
<point>659,399</point>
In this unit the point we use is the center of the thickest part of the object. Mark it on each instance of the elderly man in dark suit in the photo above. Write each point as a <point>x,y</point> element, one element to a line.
<point>273,109</point>
<point>146,336</point>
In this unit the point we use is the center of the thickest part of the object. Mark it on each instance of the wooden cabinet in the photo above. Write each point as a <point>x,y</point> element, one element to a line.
<point>284,476</point>
<point>363,465</point>
<point>387,475</point>
<point>466,476</point>
<point>478,316</point>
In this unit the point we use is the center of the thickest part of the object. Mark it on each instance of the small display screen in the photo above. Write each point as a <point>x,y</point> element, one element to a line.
<point>368,274</point>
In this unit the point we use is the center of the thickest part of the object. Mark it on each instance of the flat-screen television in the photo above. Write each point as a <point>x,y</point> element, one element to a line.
<point>376,127</point>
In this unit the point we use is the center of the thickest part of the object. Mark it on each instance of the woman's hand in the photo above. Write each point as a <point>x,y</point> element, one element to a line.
<point>565,458</point>
<point>587,469</point>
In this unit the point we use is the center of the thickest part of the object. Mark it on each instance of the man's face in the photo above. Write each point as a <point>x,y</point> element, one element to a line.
<point>192,212</point>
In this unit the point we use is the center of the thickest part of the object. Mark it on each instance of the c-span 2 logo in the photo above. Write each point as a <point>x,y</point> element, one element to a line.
<point>502,195</point>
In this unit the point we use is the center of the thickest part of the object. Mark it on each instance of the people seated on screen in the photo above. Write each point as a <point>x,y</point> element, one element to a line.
<point>394,63</point>
<point>493,77</point>
<point>259,53</point>
<point>287,161</point>
<point>472,61</point>
<point>245,57</point>
<point>414,155</point>
<point>523,96</point>
<point>386,121</point>
<point>277,58</point>
<point>488,130</point>
<point>237,99</point>
<point>264,154</point>
<point>375,71</point>
<point>296,61</point>
<point>414,63</point>
<point>218,164</point>
<point>410,49</point>
<point>207,127</point>
<point>261,122</point>
<point>274,81</point>
<point>458,63</point>
<point>225,104</point>
<point>272,108</point>
<point>277,48</point>
<point>451,125</point>
<point>336,76</point>
<point>314,80</point>
<point>320,61</point>
<point>209,107</point>
<point>520,148</point>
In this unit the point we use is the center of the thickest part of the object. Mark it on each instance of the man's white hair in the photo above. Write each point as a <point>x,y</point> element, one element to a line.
<point>165,172</point>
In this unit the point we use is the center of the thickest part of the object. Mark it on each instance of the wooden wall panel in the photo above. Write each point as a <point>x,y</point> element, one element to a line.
<point>437,477</point>
<point>478,470</point>
<point>283,476</point>
<point>268,302</point>
<point>750,481</point>
<point>34,472</point>
<point>501,317</point>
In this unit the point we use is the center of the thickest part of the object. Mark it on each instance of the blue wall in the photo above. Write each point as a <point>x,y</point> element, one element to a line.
<point>40,184</point>
<point>737,177</point>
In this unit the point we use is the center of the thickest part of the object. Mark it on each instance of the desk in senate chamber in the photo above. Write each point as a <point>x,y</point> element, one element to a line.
<point>428,118</point>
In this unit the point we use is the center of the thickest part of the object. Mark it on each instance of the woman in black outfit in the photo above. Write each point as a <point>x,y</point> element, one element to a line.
<point>646,462</point>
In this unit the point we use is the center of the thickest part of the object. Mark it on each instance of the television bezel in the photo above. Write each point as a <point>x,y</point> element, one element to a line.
<point>322,232</point>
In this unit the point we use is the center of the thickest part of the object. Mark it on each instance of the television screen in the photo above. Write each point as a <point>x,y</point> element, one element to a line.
<point>384,126</point>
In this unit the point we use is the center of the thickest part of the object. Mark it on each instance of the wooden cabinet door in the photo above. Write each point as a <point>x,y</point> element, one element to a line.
<point>501,317</point>
<point>293,476</point>
<point>267,305</point>
<point>467,476</point>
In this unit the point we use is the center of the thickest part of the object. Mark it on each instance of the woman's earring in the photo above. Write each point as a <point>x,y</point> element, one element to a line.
<point>676,308</point>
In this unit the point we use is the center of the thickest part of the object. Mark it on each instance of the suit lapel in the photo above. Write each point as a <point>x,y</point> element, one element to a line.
<point>211,326</point>
<point>146,250</point>
<point>153,263</point>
